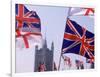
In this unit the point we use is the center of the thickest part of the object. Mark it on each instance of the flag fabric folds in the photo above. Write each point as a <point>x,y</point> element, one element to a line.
<point>67,61</point>
<point>82,11</point>
<point>27,23</point>
<point>26,18</point>
<point>78,40</point>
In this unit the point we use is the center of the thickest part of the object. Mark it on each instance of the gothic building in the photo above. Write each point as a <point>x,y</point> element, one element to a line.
<point>44,58</point>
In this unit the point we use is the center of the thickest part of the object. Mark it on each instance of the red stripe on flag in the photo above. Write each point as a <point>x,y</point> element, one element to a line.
<point>25,37</point>
<point>70,37</point>
<point>20,14</point>
<point>89,10</point>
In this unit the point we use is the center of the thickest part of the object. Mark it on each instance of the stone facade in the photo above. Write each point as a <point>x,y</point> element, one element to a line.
<point>44,56</point>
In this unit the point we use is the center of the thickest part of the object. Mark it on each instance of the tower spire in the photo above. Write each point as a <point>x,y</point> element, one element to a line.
<point>45,41</point>
<point>52,46</point>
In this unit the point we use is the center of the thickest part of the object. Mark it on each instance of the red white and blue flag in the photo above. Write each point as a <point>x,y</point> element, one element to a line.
<point>27,23</point>
<point>26,18</point>
<point>78,40</point>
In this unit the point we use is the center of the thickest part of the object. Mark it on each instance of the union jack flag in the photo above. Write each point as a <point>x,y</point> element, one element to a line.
<point>27,23</point>
<point>26,18</point>
<point>78,40</point>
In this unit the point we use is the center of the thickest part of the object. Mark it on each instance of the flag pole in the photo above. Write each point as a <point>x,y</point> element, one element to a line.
<point>61,50</point>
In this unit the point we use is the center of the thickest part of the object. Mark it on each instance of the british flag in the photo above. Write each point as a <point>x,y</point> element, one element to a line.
<point>27,23</point>
<point>78,40</point>
<point>26,18</point>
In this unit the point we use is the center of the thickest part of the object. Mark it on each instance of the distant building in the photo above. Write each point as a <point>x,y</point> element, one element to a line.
<point>44,58</point>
